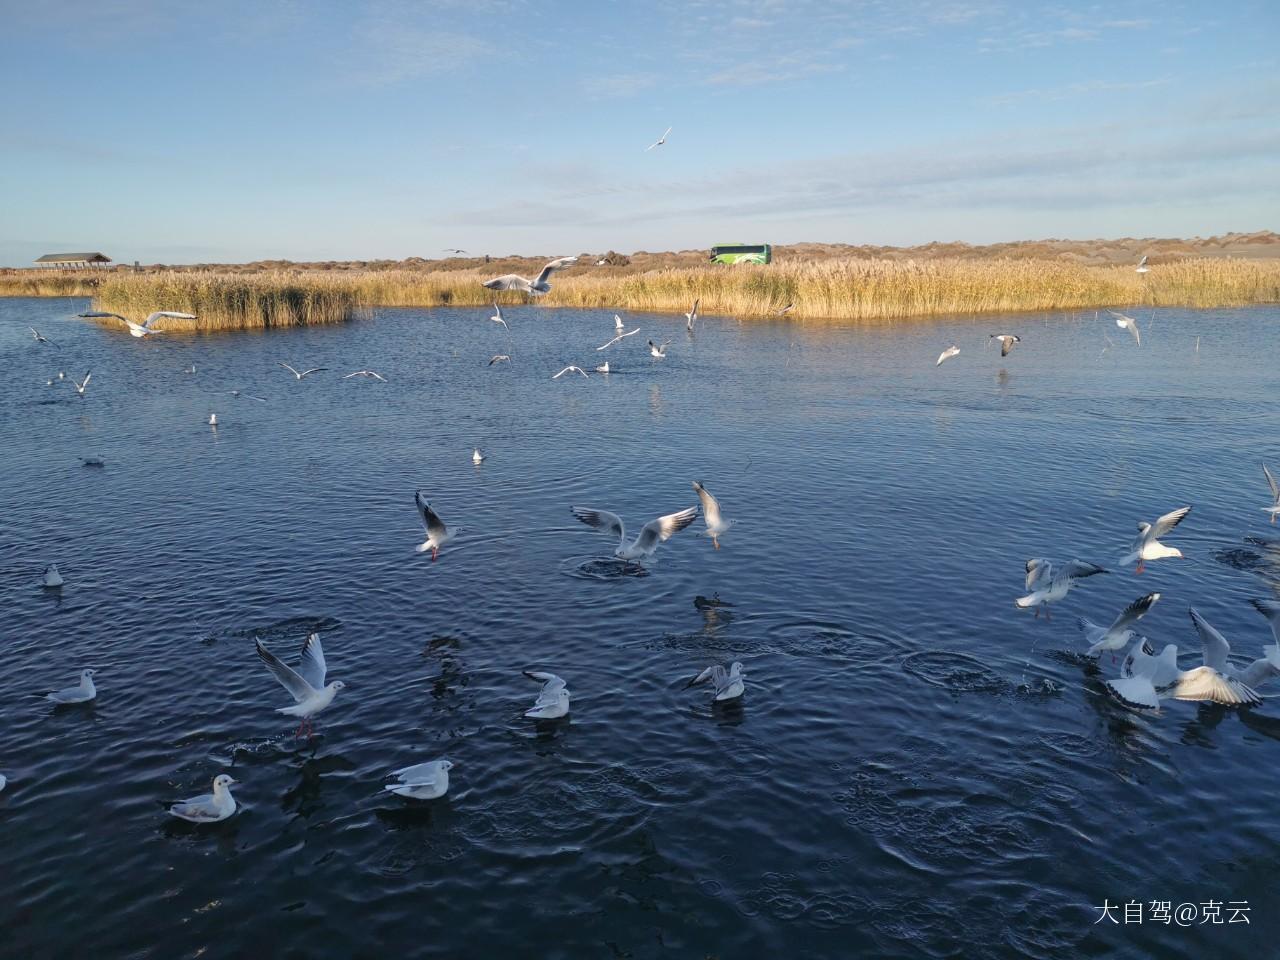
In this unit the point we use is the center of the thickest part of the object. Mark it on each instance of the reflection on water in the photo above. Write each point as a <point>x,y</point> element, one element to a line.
<point>915,763</point>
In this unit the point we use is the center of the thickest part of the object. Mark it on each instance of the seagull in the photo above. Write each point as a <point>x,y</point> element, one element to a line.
<point>83,693</point>
<point>366,373</point>
<point>946,354</point>
<point>3,780</point>
<point>247,396</point>
<point>40,337</point>
<point>1274,509</point>
<point>788,307</point>
<point>728,683</point>
<point>1217,651</point>
<point>1117,636</point>
<point>659,142</point>
<point>304,373</point>
<point>617,323</point>
<point>1142,265</point>
<point>62,375</point>
<point>422,781</point>
<point>1148,547</point>
<point>570,369</point>
<point>453,250</point>
<point>305,683</point>
<point>52,578</point>
<point>81,384</point>
<point>618,337</point>
<point>1007,340</point>
<point>92,462</point>
<point>1127,323</point>
<point>553,699</point>
<point>211,807</point>
<point>1145,680</point>
<point>651,534</point>
<point>1048,584</point>
<point>477,457</point>
<point>603,368</point>
<point>1271,610</point>
<point>213,419</point>
<point>717,526</point>
<point>498,317</point>
<point>511,281</point>
<point>692,316</point>
<point>143,329</point>
<point>437,533</point>
<point>499,358</point>
<point>49,383</point>
<point>659,351</point>
<point>190,369</point>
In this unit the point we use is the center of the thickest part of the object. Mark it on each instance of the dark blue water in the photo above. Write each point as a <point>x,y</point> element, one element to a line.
<point>918,769</point>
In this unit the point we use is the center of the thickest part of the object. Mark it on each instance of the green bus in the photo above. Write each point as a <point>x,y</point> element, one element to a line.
<point>742,253</point>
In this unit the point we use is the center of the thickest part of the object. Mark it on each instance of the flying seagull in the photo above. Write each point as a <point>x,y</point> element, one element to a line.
<point>659,142</point>
<point>304,373</point>
<point>646,542</point>
<point>570,369</point>
<point>511,281</point>
<point>211,807</point>
<point>659,351</point>
<point>947,354</point>
<point>789,307</point>
<point>728,683</point>
<point>498,317</point>
<point>1127,323</point>
<point>366,373</point>
<point>305,683</point>
<point>1147,546</point>
<point>453,250</point>
<point>1274,509</point>
<point>1007,340</point>
<point>692,316</point>
<point>81,384</point>
<point>620,336</point>
<point>1217,651</point>
<point>553,698</point>
<point>437,533</point>
<point>1119,634</point>
<point>40,337</point>
<point>238,394</point>
<point>84,692</point>
<point>1271,610</point>
<point>144,329</point>
<point>1146,680</point>
<point>1048,584</point>
<point>617,322</point>
<point>717,526</point>
<point>422,781</point>
<point>499,358</point>
<point>1142,265</point>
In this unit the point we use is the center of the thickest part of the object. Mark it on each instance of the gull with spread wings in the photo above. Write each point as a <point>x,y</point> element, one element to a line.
<point>305,682</point>
<point>646,542</point>
<point>511,281</point>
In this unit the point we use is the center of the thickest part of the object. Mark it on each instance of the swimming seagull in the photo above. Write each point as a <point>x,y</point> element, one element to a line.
<point>422,781</point>
<point>1048,584</point>
<point>213,419</point>
<point>499,358</point>
<point>569,369</point>
<point>1127,323</point>
<point>1146,680</point>
<point>1007,340</point>
<point>92,462</point>
<point>477,457</point>
<point>83,693</point>
<point>618,337</point>
<point>210,807</point>
<point>144,329</point>
<point>947,354</point>
<point>603,368</point>
<point>728,683</point>
<point>659,142</point>
<point>1142,265</point>
<point>511,281</point>
<point>717,526</point>
<point>40,337</point>
<point>1217,651</point>
<point>553,699</point>
<point>81,384</point>
<point>305,683</point>
<point>190,369</point>
<point>646,542</point>
<point>498,317</point>
<point>52,578</point>
<point>366,373</point>
<point>304,373</point>
<point>1147,545</point>
<point>437,533</point>
<point>692,316</point>
<point>659,351</point>
<point>1119,634</point>
<point>1274,509</point>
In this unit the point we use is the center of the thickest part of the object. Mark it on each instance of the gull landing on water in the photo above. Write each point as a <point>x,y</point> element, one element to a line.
<point>692,316</point>
<point>1146,680</point>
<point>84,692</point>
<point>499,318</point>
<point>144,328</point>
<point>1007,340</point>
<point>728,683</point>
<point>437,533</point>
<point>304,373</point>
<point>572,368</point>
<point>1274,509</point>
<point>211,807</point>
<point>422,781</point>
<point>511,281</point>
<point>947,354</point>
<point>1048,584</point>
<point>659,351</point>
<point>1118,635</point>
<point>1148,547</point>
<point>305,683</point>
<point>617,322</point>
<point>646,542</point>
<point>553,699</point>
<point>81,384</point>
<point>659,142</point>
<point>1127,323</point>
<point>1217,650</point>
<point>717,526</point>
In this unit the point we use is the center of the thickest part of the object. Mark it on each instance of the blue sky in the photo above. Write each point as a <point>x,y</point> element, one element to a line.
<point>195,131</point>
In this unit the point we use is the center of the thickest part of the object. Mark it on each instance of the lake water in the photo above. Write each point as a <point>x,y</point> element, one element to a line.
<point>917,768</point>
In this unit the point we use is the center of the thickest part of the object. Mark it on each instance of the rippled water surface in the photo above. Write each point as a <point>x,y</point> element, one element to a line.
<point>917,769</point>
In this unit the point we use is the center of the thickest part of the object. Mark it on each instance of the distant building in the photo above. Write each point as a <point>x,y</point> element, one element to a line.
<point>73,261</point>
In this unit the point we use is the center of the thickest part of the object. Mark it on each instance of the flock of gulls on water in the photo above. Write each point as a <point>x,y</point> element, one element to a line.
<point>1145,678</point>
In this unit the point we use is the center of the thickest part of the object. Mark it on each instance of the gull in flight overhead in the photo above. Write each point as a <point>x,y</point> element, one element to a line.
<point>603,368</point>
<point>553,699</point>
<point>1217,651</point>
<point>717,526</point>
<point>84,692</point>
<point>570,369</point>
<point>40,337</point>
<point>659,351</point>
<point>499,358</point>
<point>453,250</point>
<point>1274,509</point>
<point>144,329</point>
<point>1048,584</point>
<point>52,578</point>
<point>1147,546</point>
<point>437,533</point>
<point>304,373</point>
<point>1120,633</point>
<point>646,542</point>
<point>1142,265</point>
<point>728,683</point>
<point>477,457</point>
<point>511,281</point>
<point>1127,323</point>
<point>1146,680</point>
<point>498,317</point>
<point>659,142</point>
<point>366,373</point>
<point>692,316</point>
<point>947,354</point>
<point>628,333</point>
<point>211,807</point>
<point>422,781</point>
<point>81,384</point>
<point>1007,340</point>
<point>305,683</point>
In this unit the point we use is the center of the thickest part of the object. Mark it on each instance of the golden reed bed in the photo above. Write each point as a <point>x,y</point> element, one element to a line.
<point>828,290</point>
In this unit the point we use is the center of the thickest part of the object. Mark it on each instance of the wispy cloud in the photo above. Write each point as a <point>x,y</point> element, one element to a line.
<point>1082,89</point>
